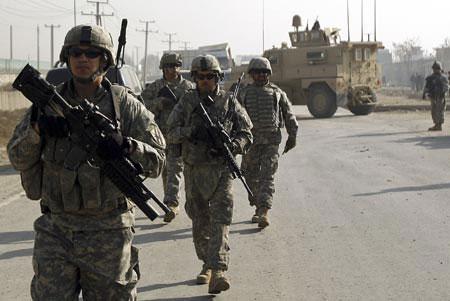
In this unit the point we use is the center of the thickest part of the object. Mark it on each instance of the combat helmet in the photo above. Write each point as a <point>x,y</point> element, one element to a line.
<point>437,65</point>
<point>206,63</point>
<point>259,63</point>
<point>170,58</point>
<point>90,35</point>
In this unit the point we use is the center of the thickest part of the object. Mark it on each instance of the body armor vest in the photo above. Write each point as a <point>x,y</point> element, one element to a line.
<point>262,105</point>
<point>72,184</point>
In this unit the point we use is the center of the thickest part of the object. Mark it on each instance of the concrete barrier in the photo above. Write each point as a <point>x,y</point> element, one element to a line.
<point>13,100</point>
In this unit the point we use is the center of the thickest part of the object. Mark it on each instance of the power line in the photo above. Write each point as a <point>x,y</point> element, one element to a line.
<point>98,15</point>
<point>169,41</point>
<point>185,44</point>
<point>52,27</point>
<point>147,31</point>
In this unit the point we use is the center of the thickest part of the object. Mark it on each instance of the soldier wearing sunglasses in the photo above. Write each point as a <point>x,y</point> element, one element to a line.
<point>209,200</point>
<point>159,100</point>
<point>270,110</point>
<point>84,236</point>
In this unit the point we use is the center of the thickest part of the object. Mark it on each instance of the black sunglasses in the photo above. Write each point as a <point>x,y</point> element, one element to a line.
<point>171,65</point>
<point>90,53</point>
<point>260,71</point>
<point>208,76</point>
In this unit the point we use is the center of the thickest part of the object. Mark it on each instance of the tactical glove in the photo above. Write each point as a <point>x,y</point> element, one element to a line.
<point>290,144</point>
<point>53,126</point>
<point>113,146</point>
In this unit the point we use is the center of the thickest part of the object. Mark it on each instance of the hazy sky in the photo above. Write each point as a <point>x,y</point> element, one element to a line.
<point>204,22</point>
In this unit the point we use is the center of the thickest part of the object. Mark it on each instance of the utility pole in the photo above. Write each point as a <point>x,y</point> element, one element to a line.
<point>38,54</point>
<point>263,26</point>
<point>137,58</point>
<point>52,27</point>
<point>98,15</point>
<point>10,42</point>
<point>375,20</point>
<point>74,12</point>
<point>144,69</point>
<point>169,41</point>
<point>348,23</point>
<point>362,20</point>
<point>185,44</point>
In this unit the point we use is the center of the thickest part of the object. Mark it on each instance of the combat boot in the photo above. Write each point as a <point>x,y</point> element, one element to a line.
<point>263,218</point>
<point>218,282</point>
<point>171,214</point>
<point>255,217</point>
<point>436,127</point>
<point>204,276</point>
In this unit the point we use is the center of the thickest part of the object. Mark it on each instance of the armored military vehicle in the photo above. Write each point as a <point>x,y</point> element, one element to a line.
<point>322,72</point>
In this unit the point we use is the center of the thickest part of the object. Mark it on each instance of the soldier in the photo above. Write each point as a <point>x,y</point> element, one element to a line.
<point>209,201</point>
<point>436,85</point>
<point>159,101</point>
<point>84,236</point>
<point>270,110</point>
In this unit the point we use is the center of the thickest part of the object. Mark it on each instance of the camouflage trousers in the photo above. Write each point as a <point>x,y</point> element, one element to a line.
<point>438,105</point>
<point>259,166</point>
<point>103,265</point>
<point>171,176</point>
<point>209,204</point>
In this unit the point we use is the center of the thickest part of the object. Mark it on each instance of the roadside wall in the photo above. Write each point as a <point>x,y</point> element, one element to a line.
<point>12,100</point>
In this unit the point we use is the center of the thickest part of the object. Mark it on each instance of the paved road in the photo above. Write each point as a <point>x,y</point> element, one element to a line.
<point>361,213</point>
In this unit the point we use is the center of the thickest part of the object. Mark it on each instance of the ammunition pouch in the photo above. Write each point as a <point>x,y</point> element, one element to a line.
<point>32,181</point>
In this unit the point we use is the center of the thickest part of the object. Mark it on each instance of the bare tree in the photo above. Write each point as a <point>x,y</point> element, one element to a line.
<point>408,51</point>
<point>446,43</point>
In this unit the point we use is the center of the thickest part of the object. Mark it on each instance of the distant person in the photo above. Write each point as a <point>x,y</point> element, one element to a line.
<point>316,25</point>
<point>435,88</point>
<point>158,99</point>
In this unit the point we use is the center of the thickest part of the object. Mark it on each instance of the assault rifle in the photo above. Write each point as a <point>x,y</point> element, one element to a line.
<point>167,93</point>
<point>88,127</point>
<point>221,141</point>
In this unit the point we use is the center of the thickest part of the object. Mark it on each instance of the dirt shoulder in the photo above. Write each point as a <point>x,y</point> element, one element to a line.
<point>8,121</point>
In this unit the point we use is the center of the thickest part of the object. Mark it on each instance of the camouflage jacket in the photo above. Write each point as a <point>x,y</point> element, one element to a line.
<point>436,85</point>
<point>269,109</point>
<point>78,195</point>
<point>161,106</point>
<point>185,117</point>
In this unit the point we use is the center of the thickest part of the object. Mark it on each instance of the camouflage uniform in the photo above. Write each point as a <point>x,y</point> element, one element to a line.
<point>209,201</point>
<point>83,239</point>
<point>436,86</point>
<point>269,109</point>
<point>161,107</point>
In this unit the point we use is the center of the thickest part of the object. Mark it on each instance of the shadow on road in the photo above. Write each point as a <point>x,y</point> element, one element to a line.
<point>246,231</point>
<point>306,118</point>
<point>6,170</point>
<point>16,253</point>
<point>407,189</point>
<point>157,286</point>
<point>385,134</point>
<point>205,297</point>
<point>15,237</point>
<point>435,142</point>
<point>163,236</point>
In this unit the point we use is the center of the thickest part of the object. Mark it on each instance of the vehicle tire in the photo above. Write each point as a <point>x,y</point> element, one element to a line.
<point>321,102</point>
<point>361,110</point>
